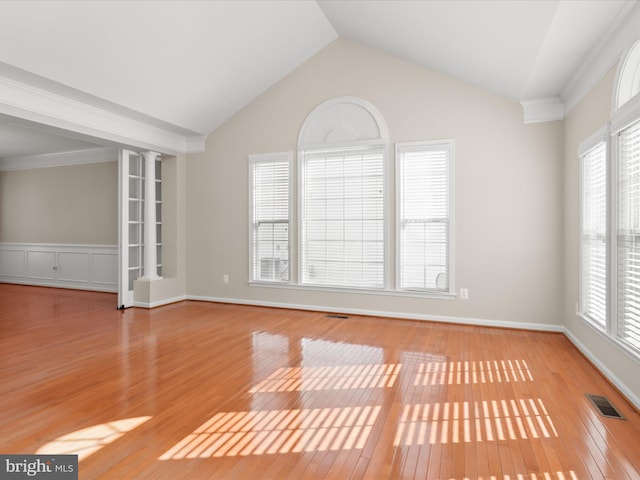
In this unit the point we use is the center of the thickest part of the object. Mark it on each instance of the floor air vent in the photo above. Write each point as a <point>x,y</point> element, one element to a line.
<point>343,317</point>
<point>603,405</point>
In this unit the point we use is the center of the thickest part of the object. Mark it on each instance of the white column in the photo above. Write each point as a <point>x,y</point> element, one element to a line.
<point>150,253</point>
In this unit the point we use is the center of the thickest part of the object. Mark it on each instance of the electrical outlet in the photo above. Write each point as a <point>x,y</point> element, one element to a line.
<point>225,278</point>
<point>464,293</point>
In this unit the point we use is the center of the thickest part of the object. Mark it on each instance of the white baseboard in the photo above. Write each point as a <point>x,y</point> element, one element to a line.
<point>481,322</point>
<point>619,384</point>
<point>160,303</point>
<point>58,284</point>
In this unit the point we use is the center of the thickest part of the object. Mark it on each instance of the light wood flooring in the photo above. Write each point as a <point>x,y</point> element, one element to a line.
<point>200,390</point>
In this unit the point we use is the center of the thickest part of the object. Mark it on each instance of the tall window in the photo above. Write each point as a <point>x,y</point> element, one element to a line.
<point>342,217</point>
<point>593,302</point>
<point>424,215</point>
<point>341,158</point>
<point>628,235</point>
<point>342,224</point>
<point>610,231</point>
<point>269,189</point>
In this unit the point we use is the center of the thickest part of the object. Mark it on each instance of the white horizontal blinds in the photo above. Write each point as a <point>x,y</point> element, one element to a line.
<point>628,235</point>
<point>424,217</point>
<point>342,218</point>
<point>594,235</point>
<point>270,218</point>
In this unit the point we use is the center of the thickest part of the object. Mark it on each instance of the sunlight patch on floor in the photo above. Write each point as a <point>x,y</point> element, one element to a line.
<point>570,475</point>
<point>89,440</point>
<point>466,422</point>
<point>341,377</point>
<point>230,434</point>
<point>472,372</point>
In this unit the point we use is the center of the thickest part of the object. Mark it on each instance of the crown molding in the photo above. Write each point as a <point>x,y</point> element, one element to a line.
<point>61,159</point>
<point>547,109</point>
<point>37,105</point>
<point>622,33</point>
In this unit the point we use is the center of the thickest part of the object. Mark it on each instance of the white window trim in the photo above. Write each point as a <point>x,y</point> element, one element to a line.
<point>601,135</point>
<point>450,144</point>
<point>260,158</point>
<point>359,291</point>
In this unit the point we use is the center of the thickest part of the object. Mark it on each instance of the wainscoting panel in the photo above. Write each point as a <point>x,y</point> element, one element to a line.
<point>12,263</point>
<point>41,264</point>
<point>105,269</point>
<point>73,267</point>
<point>86,267</point>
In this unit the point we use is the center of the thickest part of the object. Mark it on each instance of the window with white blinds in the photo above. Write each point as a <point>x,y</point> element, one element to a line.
<point>593,288</point>
<point>628,236</point>
<point>424,215</point>
<point>270,232</point>
<point>342,217</point>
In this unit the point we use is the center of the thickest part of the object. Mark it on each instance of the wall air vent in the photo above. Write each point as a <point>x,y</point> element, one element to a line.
<point>342,317</point>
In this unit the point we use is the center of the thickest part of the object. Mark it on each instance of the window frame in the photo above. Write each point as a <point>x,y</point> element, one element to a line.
<point>610,330</point>
<point>343,149</point>
<point>278,157</point>
<point>430,145</point>
<point>626,113</point>
<point>597,139</point>
<point>345,123</point>
<point>615,325</point>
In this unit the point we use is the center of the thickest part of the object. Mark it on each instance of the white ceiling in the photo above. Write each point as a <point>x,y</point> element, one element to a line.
<point>188,66</point>
<point>521,49</point>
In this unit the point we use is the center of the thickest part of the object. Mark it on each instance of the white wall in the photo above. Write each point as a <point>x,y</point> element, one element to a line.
<point>508,184</point>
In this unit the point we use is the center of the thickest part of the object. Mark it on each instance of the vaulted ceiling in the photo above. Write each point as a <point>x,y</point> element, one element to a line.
<point>183,68</point>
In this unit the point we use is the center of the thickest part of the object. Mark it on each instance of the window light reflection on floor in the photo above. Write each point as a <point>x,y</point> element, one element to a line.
<point>570,475</point>
<point>472,372</point>
<point>340,377</point>
<point>465,422</point>
<point>277,431</point>
<point>86,441</point>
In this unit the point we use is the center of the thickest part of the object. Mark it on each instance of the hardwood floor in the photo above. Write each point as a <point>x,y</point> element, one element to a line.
<point>200,391</point>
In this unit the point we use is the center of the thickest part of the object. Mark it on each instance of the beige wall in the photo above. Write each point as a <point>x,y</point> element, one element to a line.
<point>508,188</point>
<point>64,205</point>
<point>592,113</point>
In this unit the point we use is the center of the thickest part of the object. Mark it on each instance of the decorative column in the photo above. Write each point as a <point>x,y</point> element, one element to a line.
<point>150,241</point>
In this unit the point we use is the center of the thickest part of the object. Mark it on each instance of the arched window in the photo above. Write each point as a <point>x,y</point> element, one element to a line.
<point>628,84</point>
<point>342,151</point>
